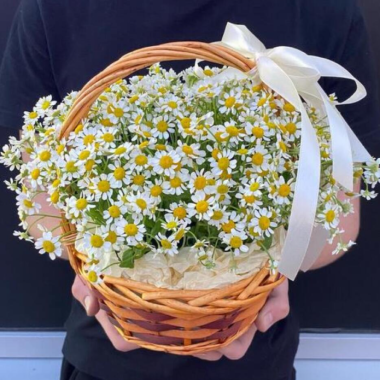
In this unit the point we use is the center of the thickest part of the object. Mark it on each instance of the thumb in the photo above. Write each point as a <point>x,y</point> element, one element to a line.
<point>275,309</point>
<point>85,296</point>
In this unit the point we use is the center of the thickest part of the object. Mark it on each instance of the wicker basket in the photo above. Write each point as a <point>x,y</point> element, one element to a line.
<point>182,322</point>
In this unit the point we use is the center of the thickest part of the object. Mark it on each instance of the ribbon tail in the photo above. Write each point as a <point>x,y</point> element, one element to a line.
<point>305,201</point>
<point>318,240</point>
<point>359,152</point>
<point>340,144</point>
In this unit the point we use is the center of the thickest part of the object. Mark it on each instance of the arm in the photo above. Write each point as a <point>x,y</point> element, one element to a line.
<point>350,224</point>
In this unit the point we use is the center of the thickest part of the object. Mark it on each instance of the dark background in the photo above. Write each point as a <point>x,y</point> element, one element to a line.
<point>35,292</point>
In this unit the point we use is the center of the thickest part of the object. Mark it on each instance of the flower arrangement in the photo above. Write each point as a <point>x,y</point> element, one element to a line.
<point>171,160</point>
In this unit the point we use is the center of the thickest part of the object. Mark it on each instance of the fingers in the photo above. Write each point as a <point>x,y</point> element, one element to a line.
<point>275,309</point>
<point>234,351</point>
<point>238,348</point>
<point>116,339</point>
<point>210,356</point>
<point>84,295</point>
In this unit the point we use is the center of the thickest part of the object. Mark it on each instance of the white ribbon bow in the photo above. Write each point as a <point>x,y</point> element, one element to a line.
<point>292,74</point>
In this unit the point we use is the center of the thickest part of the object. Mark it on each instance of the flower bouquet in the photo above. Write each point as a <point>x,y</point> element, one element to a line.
<point>178,191</point>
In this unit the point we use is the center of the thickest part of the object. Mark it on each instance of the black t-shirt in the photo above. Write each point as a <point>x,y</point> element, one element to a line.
<point>56,46</point>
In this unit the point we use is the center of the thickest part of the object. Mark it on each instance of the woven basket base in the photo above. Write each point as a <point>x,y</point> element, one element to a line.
<point>182,322</point>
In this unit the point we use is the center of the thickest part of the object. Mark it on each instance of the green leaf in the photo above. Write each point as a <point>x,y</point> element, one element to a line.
<point>128,259</point>
<point>266,243</point>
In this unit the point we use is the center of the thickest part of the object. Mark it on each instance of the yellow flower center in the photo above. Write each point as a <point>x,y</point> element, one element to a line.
<point>261,102</point>
<point>330,216</point>
<point>141,203</point>
<point>230,101</point>
<point>185,122</point>
<point>133,99</point>
<point>48,246</point>
<point>131,229</point>
<point>166,244</point>
<point>138,180</point>
<point>33,115</point>
<point>291,128</point>
<point>89,165</point>
<point>233,131</point>
<point>172,105</point>
<point>200,183</point>
<point>141,160</point>
<point>162,126</point>
<point>254,186</point>
<point>227,227</point>
<point>106,122</point>
<point>89,139</point>
<point>118,112</point>
<point>222,189</point>
<point>104,186</point>
<point>202,207</point>
<point>111,237</point>
<point>217,215</point>
<point>44,155</point>
<point>45,105</point>
<point>242,151</point>
<point>70,167</point>
<point>81,204</point>
<point>250,199</point>
<point>114,211</point>
<point>282,146</point>
<point>171,225</point>
<point>35,173</point>
<point>54,197</point>
<point>84,155</point>
<point>289,107</point>
<point>161,147</point>
<point>264,222</point>
<point>180,212</point>
<point>119,173</point>
<point>175,182</point>
<point>257,159</point>
<point>92,276</point>
<point>108,137</point>
<point>166,162</point>
<point>284,190</point>
<point>223,163</point>
<point>60,148</point>
<point>96,241</point>
<point>28,203</point>
<point>156,191</point>
<point>120,150</point>
<point>236,242</point>
<point>187,150</point>
<point>258,132</point>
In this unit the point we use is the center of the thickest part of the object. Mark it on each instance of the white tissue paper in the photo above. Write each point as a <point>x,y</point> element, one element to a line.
<point>184,271</point>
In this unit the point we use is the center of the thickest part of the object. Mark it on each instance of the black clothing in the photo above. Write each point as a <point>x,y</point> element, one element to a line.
<point>69,372</point>
<point>57,46</point>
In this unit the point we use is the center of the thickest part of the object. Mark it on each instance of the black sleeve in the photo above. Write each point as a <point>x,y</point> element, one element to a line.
<point>363,117</point>
<point>25,73</point>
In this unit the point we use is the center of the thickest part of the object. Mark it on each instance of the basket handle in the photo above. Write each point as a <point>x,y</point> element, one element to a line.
<point>144,57</point>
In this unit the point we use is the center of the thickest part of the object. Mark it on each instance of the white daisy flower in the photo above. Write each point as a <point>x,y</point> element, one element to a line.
<point>199,183</point>
<point>133,232</point>
<point>168,245</point>
<point>165,162</point>
<point>224,162</point>
<point>235,242</point>
<point>262,222</point>
<point>49,244</point>
<point>202,206</point>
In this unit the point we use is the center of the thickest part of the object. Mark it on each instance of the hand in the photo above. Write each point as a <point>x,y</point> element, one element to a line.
<point>91,304</point>
<point>275,309</point>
